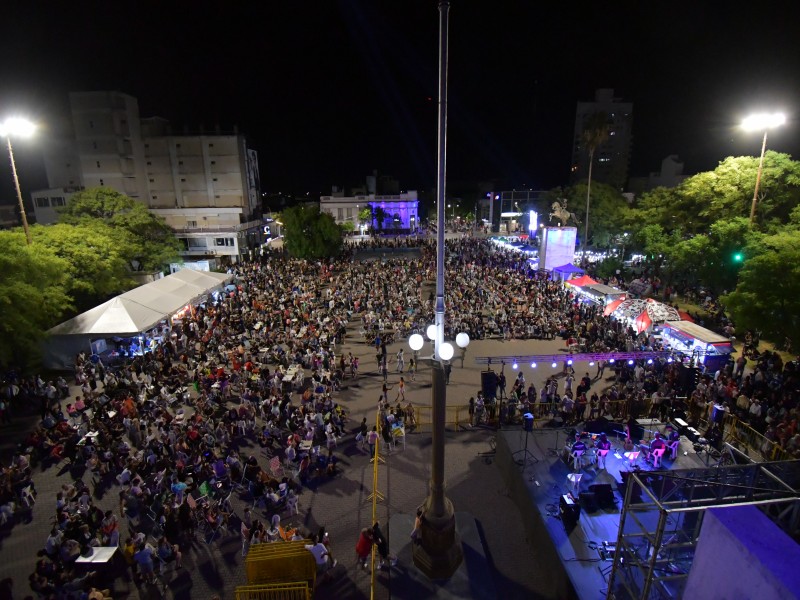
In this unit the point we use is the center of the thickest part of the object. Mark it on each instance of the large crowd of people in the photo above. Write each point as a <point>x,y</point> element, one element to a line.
<point>241,396</point>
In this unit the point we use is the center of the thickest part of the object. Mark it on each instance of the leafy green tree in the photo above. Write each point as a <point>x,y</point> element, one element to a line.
<point>310,233</point>
<point>33,296</point>
<point>365,215</point>
<point>767,296</point>
<point>150,242</point>
<point>96,259</point>
<point>348,226</point>
<point>609,211</point>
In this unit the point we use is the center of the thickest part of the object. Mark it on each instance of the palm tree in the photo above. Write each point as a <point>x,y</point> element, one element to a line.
<point>595,132</point>
<point>379,215</point>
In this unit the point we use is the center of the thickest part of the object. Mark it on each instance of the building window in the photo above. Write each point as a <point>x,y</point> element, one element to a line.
<point>42,202</point>
<point>211,145</point>
<point>339,213</point>
<point>98,164</point>
<point>191,223</point>
<point>213,162</point>
<point>149,163</point>
<point>215,179</point>
<point>152,181</point>
<point>58,201</point>
<point>183,179</point>
<point>102,182</point>
<point>349,213</point>
<point>216,196</point>
<point>155,197</point>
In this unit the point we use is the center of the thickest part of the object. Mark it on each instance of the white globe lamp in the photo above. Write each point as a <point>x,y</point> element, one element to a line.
<point>462,340</point>
<point>446,351</point>
<point>416,341</point>
<point>431,332</point>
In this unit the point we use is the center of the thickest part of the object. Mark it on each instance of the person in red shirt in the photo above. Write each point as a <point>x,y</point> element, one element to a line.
<point>364,546</point>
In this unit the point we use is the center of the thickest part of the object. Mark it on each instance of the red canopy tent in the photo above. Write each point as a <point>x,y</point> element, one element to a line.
<point>611,307</point>
<point>581,281</point>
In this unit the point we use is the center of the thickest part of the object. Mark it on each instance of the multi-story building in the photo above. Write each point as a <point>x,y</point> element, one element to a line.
<point>400,211</point>
<point>205,186</point>
<point>612,158</point>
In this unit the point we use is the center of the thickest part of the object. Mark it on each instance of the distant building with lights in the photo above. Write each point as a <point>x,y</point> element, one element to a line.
<point>400,211</point>
<point>612,158</point>
<point>205,185</point>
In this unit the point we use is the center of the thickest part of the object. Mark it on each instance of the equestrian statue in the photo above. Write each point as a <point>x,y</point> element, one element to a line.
<point>561,213</point>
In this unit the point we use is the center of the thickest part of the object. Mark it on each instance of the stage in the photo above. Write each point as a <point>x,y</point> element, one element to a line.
<point>579,557</point>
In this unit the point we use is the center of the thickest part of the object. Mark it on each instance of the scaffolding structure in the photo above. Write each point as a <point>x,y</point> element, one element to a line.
<point>663,514</point>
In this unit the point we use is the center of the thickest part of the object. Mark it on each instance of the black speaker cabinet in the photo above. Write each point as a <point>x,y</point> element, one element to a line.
<point>588,502</point>
<point>569,510</point>
<point>489,384</point>
<point>604,494</point>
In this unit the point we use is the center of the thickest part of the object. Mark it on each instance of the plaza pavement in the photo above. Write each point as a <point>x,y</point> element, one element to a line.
<point>473,484</point>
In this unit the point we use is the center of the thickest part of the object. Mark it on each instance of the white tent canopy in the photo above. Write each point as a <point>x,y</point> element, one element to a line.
<point>131,313</point>
<point>143,307</point>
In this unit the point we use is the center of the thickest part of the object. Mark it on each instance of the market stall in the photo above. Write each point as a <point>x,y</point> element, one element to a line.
<point>603,294</point>
<point>642,313</point>
<point>709,348</point>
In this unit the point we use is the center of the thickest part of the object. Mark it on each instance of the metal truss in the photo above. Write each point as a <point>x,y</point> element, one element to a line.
<point>663,514</point>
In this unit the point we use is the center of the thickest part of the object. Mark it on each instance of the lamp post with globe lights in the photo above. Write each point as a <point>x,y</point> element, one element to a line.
<point>761,122</point>
<point>21,128</point>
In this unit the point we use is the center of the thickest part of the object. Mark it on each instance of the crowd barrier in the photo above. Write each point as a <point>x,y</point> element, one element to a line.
<point>277,564</point>
<point>277,591</point>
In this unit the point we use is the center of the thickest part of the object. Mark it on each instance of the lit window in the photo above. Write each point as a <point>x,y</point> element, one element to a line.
<point>42,202</point>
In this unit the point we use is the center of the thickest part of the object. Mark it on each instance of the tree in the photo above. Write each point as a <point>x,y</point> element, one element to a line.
<point>96,259</point>
<point>767,296</point>
<point>150,241</point>
<point>594,134</point>
<point>33,296</point>
<point>365,215</point>
<point>380,215</point>
<point>310,233</point>
<point>610,210</point>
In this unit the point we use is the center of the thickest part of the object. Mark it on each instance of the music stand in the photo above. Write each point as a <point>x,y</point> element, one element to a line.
<point>527,425</point>
<point>555,451</point>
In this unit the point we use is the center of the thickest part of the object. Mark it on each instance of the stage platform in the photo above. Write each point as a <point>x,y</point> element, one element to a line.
<point>580,556</point>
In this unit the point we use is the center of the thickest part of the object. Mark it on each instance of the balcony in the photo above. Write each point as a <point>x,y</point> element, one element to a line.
<point>232,228</point>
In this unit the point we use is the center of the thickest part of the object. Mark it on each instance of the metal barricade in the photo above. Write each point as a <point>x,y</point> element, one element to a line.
<point>276,591</point>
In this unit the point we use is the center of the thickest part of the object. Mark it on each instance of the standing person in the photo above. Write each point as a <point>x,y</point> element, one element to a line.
<point>501,385</point>
<point>471,411</point>
<point>417,531</point>
<point>383,547</point>
<point>322,558</point>
<point>372,439</point>
<point>401,390</point>
<point>412,369</point>
<point>364,546</point>
<point>447,368</point>
<point>400,360</point>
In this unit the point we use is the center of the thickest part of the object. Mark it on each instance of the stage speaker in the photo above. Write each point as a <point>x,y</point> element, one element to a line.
<point>569,510</point>
<point>603,494</point>
<point>599,425</point>
<point>489,384</point>
<point>688,378</point>
<point>527,422</point>
<point>588,502</point>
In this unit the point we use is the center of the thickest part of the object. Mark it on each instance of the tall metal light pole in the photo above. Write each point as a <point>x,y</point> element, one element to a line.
<point>20,128</point>
<point>439,552</point>
<point>761,122</point>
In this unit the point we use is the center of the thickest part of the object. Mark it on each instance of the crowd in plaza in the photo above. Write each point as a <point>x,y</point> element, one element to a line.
<point>243,397</point>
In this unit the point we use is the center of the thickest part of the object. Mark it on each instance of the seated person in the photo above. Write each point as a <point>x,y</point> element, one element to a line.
<point>672,435</point>
<point>655,444</point>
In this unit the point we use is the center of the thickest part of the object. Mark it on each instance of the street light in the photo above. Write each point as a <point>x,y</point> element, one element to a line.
<point>759,122</point>
<point>24,129</point>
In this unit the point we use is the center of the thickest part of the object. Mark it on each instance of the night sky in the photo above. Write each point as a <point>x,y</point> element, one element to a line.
<point>329,91</point>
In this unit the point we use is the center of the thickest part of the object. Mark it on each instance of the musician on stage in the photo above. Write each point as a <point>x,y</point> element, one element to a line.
<point>655,444</point>
<point>602,444</point>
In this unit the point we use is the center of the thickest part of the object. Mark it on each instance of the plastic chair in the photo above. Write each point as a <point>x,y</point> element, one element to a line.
<point>575,480</point>
<point>658,454</point>
<point>632,457</point>
<point>673,447</point>
<point>577,459</point>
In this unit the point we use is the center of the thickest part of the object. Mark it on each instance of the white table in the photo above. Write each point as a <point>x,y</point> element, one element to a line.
<point>100,554</point>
